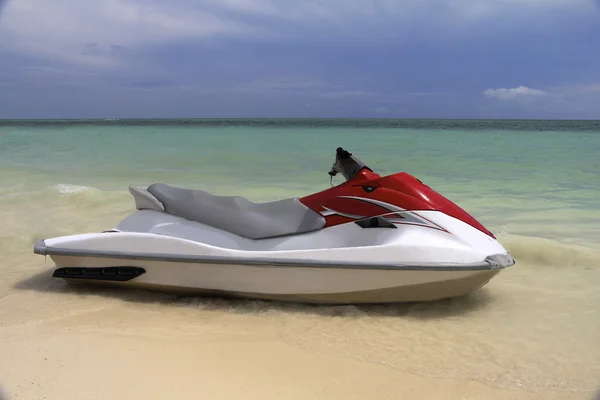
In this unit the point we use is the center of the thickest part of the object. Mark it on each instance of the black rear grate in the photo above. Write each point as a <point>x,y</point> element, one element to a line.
<point>121,274</point>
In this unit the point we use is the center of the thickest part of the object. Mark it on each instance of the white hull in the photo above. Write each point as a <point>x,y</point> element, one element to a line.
<point>315,284</point>
<point>341,264</point>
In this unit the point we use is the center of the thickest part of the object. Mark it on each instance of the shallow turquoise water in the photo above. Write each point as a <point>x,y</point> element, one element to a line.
<point>539,178</point>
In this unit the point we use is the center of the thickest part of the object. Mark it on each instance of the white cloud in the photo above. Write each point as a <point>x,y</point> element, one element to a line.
<point>476,9</point>
<point>555,93</point>
<point>91,31</point>
<point>100,31</point>
<point>509,94</point>
<point>293,9</point>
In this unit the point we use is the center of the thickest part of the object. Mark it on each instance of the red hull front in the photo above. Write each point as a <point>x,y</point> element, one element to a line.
<point>369,195</point>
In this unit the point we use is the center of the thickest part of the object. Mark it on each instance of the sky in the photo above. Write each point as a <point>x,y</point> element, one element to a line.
<point>300,59</point>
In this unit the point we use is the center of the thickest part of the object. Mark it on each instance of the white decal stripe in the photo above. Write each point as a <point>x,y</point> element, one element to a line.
<point>410,215</point>
<point>383,204</point>
<point>328,212</point>
<point>397,215</point>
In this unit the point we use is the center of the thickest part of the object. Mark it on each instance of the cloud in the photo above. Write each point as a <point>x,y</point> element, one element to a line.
<point>558,93</point>
<point>102,33</point>
<point>346,9</point>
<point>258,56</point>
<point>510,94</point>
<point>94,32</point>
<point>564,101</point>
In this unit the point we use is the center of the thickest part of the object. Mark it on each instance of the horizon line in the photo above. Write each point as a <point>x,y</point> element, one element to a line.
<point>295,118</point>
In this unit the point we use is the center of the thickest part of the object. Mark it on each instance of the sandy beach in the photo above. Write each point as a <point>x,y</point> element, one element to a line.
<point>74,342</point>
<point>134,352</point>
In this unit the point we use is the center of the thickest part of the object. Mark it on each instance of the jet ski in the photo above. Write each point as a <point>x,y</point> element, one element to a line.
<point>370,239</point>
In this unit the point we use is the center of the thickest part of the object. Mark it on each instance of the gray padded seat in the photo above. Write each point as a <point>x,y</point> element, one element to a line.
<point>238,215</point>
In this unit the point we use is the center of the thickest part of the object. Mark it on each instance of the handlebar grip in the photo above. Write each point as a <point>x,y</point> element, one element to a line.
<point>342,154</point>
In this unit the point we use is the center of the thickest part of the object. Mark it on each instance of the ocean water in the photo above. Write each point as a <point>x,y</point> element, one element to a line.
<point>535,184</point>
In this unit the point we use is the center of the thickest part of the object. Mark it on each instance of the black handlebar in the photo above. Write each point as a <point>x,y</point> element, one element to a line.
<point>346,164</point>
<point>342,154</point>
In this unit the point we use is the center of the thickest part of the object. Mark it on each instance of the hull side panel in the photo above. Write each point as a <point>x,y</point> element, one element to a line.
<point>314,285</point>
